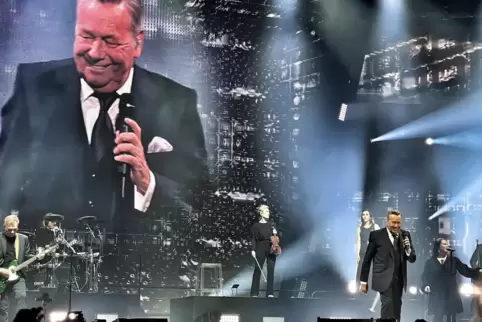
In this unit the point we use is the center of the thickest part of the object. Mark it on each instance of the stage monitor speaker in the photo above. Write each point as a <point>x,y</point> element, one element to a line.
<point>344,319</point>
<point>141,320</point>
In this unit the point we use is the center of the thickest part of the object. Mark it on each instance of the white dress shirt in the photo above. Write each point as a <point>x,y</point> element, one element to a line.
<point>407,251</point>
<point>442,259</point>
<point>90,111</point>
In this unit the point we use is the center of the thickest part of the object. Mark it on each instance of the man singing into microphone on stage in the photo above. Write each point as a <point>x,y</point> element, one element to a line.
<point>63,133</point>
<point>389,248</point>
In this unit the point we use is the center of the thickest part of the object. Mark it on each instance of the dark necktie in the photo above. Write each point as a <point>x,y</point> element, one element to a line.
<point>102,142</point>
<point>396,242</point>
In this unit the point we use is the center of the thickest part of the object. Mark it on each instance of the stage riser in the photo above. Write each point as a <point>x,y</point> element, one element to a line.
<point>91,304</point>
<point>195,309</point>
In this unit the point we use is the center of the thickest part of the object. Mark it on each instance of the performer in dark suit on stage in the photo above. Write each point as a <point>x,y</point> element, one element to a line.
<point>60,145</point>
<point>389,248</point>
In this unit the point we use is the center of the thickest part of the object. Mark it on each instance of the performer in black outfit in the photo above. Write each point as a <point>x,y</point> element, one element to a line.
<point>475,262</point>
<point>439,280</point>
<point>390,249</point>
<point>261,233</point>
<point>14,246</point>
<point>367,225</point>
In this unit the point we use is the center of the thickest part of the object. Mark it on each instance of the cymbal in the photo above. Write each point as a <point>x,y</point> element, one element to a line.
<point>26,233</point>
<point>87,219</point>
<point>53,217</point>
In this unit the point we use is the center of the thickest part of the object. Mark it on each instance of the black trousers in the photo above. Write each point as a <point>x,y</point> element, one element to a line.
<point>19,290</point>
<point>440,318</point>
<point>263,255</point>
<point>392,299</point>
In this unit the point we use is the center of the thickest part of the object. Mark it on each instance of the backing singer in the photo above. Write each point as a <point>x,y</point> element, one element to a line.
<point>389,248</point>
<point>367,225</point>
<point>439,280</point>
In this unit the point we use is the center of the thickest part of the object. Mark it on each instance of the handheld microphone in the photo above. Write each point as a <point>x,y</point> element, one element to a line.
<point>126,110</point>
<point>405,235</point>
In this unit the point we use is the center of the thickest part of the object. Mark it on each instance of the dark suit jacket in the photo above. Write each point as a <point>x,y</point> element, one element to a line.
<point>380,250</point>
<point>23,248</point>
<point>476,259</point>
<point>43,136</point>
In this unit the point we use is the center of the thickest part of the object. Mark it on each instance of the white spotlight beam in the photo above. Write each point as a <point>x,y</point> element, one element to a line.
<point>474,187</point>
<point>467,140</point>
<point>461,114</point>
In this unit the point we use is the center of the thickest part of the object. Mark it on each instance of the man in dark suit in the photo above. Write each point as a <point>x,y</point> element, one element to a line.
<point>389,248</point>
<point>14,246</point>
<point>60,145</point>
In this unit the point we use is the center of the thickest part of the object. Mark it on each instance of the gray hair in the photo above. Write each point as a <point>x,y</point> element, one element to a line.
<point>136,11</point>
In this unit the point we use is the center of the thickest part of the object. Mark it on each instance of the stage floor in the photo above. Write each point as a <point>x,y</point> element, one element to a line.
<point>291,309</point>
<point>247,309</point>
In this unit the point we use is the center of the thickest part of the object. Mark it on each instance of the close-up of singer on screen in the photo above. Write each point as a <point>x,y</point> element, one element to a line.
<point>96,134</point>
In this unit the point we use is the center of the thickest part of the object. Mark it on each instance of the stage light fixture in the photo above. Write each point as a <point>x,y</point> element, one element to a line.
<point>466,289</point>
<point>352,287</point>
<point>108,317</point>
<point>429,141</point>
<point>412,290</point>
<point>343,110</point>
<point>57,316</point>
<point>229,318</point>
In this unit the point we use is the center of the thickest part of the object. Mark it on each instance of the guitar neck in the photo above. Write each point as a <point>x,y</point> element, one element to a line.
<point>25,264</point>
<point>31,260</point>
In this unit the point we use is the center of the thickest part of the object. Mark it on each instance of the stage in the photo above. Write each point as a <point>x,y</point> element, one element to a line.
<point>247,309</point>
<point>91,304</point>
<point>237,308</point>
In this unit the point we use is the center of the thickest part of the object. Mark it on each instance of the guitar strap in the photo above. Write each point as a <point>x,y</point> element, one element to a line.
<point>17,246</point>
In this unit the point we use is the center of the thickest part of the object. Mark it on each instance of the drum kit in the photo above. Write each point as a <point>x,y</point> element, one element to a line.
<point>76,262</point>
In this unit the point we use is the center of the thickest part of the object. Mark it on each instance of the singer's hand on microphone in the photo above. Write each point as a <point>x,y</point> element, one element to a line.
<point>406,242</point>
<point>129,150</point>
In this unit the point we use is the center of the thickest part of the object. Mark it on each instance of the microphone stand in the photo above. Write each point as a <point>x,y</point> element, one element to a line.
<point>61,240</point>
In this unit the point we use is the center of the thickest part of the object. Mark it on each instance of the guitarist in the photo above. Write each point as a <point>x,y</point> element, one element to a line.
<point>12,246</point>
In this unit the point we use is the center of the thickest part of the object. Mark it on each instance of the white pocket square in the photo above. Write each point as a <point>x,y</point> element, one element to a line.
<point>159,144</point>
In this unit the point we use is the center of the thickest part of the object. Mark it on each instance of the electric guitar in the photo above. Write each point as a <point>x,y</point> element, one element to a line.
<point>13,267</point>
